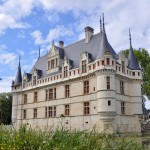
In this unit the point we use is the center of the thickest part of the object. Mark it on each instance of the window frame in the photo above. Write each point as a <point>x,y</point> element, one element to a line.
<point>35,113</point>
<point>24,113</point>
<point>25,98</point>
<point>86,87</point>
<point>35,96</point>
<point>67,110</point>
<point>123,108</point>
<point>84,66</point>
<point>86,110</point>
<point>121,87</point>
<point>67,90</point>
<point>108,82</point>
<point>65,71</point>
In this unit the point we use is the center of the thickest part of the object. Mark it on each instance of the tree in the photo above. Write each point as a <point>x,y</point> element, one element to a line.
<point>143,58</point>
<point>5,108</point>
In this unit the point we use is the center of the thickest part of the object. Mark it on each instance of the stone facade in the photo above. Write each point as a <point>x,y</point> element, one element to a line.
<point>101,93</point>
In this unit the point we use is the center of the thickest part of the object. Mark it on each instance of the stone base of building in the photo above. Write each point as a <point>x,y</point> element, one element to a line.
<point>121,125</point>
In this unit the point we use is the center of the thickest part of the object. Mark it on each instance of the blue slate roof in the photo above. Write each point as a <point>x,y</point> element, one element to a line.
<point>132,62</point>
<point>96,48</point>
<point>18,79</point>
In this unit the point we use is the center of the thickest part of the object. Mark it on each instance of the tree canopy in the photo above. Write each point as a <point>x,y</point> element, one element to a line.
<point>143,58</point>
<point>5,108</point>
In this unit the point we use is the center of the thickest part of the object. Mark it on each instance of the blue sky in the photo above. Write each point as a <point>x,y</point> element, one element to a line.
<point>27,24</point>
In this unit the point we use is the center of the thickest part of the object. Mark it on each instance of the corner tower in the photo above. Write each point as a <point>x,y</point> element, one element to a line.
<point>16,88</point>
<point>106,95</point>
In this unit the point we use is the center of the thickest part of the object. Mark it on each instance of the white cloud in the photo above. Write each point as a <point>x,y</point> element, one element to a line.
<point>8,58</point>
<point>59,31</point>
<point>37,35</point>
<point>55,33</point>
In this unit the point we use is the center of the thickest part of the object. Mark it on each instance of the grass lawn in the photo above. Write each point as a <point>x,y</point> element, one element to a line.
<point>35,139</point>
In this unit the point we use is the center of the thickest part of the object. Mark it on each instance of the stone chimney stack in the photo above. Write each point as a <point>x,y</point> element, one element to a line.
<point>61,44</point>
<point>88,34</point>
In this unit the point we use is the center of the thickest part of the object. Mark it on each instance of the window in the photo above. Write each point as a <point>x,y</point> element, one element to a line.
<point>109,103</point>
<point>121,87</point>
<point>108,82</point>
<point>113,63</point>
<point>102,62</point>
<point>123,66</point>
<point>54,93</point>
<point>46,96</point>
<point>133,73</point>
<point>24,114</point>
<point>122,108</point>
<point>56,62</point>
<point>46,112</point>
<point>50,111</point>
<point>138,73</point>
<point>52,64</point>
<point>24,83</point>
<point>94,66</point>
<point>35,96</point>
<point>50,94</point>
<point>86,87</point>
<point>108,61</point>
<point>66,72</point>
<point>67,110</point>
<point>84,66</point>
<point>86,108</point>
<point>25,98</point>
<point>34,80</point>
<point>35,113</point>
<point>67,90</point>
<point>49,65</point>
<point>54,111</point>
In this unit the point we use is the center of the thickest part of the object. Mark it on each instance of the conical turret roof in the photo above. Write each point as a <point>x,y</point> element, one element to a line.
<point>18,79</point>
<point>132,62</point>
<point>105,47</point>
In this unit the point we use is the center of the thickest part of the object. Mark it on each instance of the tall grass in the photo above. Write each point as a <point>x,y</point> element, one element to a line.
<point>27,138</point>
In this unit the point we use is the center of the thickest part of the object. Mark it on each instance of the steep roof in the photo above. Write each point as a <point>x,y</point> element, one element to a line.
<point>104,46</point>
<point>18,79</point>
<point>74,50</point>
<point>132,62</point>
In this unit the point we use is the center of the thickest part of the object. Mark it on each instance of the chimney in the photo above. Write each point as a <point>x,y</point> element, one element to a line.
<point>61,44</point>
<point>88,34</point>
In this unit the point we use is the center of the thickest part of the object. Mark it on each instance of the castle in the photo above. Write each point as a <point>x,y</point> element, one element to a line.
<point>81,86</point>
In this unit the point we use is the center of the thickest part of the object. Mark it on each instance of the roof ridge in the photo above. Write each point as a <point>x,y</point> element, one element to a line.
<point>80,40</point>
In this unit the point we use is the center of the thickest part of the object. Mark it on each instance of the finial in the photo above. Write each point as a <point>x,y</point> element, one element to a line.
<point>100,24</point>
<point>130,37</point>
<point>19,59</point>
<point>39,51</point>
<point>103,23</point>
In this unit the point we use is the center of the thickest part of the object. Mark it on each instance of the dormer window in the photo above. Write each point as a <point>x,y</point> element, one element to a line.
<point>123,66</point>
<point>84,65</point>
<point>108,61</point>
<point>24,83</point>
<point>52,64</point>
<point>34,80</point>
<point>56,62</point>
<point>65,71</point>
